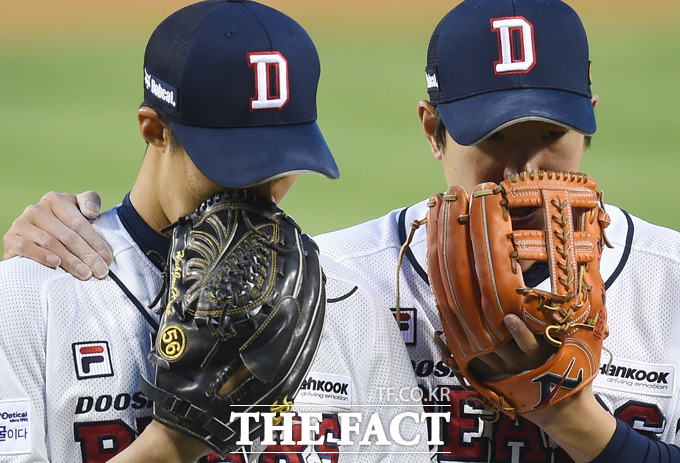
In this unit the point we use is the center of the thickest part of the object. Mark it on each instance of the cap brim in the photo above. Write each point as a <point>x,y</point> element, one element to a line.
<point>472,119</point>
<point>238,157</point>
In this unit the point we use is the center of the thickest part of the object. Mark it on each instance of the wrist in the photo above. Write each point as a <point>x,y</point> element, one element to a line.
<point>578,424</point>
<point>161,444</point>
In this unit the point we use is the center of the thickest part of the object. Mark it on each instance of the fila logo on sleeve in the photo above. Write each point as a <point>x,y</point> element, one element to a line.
<point>271,80</point>
<point>516,47</point>
<point>92,359</point>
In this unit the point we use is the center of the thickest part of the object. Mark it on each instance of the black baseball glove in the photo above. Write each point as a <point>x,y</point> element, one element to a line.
<point>244,305</point>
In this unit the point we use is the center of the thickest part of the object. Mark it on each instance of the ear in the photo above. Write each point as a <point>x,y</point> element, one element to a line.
<point>427,120</point>
<point>151,127</point>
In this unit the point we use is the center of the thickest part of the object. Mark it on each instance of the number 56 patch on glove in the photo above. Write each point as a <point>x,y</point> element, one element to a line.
<point>243,311</point>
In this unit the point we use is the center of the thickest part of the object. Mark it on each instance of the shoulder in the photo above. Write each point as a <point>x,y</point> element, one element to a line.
<point>359,321</point>
<point>345,284</point>
<point>25,287</point>
<point>369,237</point>
<point>639,236</point>
<point>640,249</point>
<point>350,298</point>
<point>109,226</point>
<point>22,277</point>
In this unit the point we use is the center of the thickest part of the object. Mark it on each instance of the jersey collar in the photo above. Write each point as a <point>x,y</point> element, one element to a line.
<point>148,239</point>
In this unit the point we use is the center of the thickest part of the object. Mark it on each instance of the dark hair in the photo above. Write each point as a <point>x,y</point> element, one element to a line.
<point>173,141</point>
<point>439,128</point>
<point>440,131</point>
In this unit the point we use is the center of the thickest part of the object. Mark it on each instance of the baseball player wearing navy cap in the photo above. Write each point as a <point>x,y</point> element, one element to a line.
<point>240,125</point>
<point>509,86</point>
<point>229,101</point>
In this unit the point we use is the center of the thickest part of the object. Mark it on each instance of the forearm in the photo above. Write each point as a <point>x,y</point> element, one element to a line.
<point>629,446</point>
<point>588,433</point>
<point>578,424</point>
<point>160,444</point>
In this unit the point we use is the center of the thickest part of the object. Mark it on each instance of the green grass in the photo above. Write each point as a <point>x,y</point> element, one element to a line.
<point>68,123</point>
<point>635,153</point>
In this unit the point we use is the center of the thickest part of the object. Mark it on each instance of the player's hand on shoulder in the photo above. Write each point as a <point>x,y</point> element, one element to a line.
<point>56,232</point>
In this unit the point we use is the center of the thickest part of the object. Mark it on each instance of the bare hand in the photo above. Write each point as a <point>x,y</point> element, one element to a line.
<point>56,232</point>
<point>578,424</point>
<point>525,352</point>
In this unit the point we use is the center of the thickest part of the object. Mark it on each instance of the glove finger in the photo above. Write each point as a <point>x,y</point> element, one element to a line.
<point>457,341</point>
<point>307,333</point>
<point>455,335</point>
<point>433,250</point>
<point>286,330</point>
<point>496,269</point>
<point>313,288</point>
<point>274,336</point>
<point>455,284</point>
<point>460,261</point>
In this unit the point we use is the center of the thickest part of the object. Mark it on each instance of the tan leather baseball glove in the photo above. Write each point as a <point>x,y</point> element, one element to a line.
<point>475,260</point>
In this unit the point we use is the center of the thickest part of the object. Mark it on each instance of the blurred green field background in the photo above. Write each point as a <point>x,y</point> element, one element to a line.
<point>70,75</point>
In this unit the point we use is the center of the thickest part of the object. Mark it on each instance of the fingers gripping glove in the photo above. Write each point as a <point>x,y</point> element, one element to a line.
<point>243,306</point>
<point>473,257</point>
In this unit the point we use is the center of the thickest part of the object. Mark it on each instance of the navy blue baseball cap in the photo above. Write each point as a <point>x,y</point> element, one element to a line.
<point>494,63</point>
<point>237,81</point>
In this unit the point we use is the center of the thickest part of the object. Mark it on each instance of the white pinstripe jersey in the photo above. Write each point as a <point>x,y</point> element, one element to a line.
<point>642,275</point>
<point>71,354</point>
